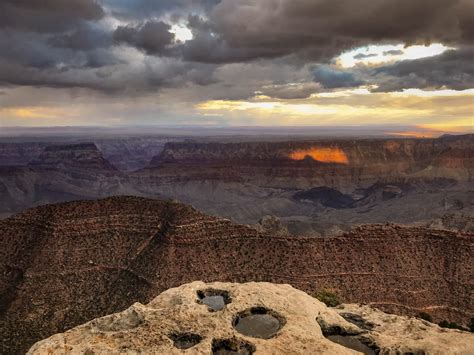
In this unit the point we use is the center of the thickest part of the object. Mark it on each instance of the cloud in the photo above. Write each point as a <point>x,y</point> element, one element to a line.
<point>240,49</point>
<point>332,78</point>
<point>48,15</point>
<point>153,37</point>
<point>363,56</point>
<point>291,91</point>
<point>321,29</point>
<point>85,37</point>
<point>454,69</point>
<point>393,52</point>
<point>147,9</point>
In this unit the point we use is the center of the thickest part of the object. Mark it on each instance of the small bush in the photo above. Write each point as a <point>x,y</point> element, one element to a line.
<point>328,297</point>
<point>450,325</point>
<point>425,316</point>
<point>444,324</point>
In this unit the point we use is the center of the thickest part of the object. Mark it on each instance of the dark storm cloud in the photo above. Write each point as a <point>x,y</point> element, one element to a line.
<point>363,56</point>
<point>393,52</point>
<point>321,29</point>
<point>454,69</point>
<point>64,43</point>
<point>47,15</point>
<point>291,92</point>
<point>331,78</point>
<point>35,50</point>
<point>146,9</point>
<point>118,79</point>
<point>153,37</point>
<point>85,37</point>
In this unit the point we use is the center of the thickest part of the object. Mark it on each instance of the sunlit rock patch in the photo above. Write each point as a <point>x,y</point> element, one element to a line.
<point>324,155</point>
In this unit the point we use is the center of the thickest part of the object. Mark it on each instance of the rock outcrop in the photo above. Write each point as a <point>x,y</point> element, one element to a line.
<point>84,156</point>
<point>60,173</point>
<point>18,154</point>
<point>257,318</point>
<point>62,265</point>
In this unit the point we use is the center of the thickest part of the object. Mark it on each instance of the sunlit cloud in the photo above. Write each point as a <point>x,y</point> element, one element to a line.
<point>181,32</point>
<point>40,116</point>
<point>434,93</point>
<point>434,111</point>
<point>378,54</point>
<point>32,112</point>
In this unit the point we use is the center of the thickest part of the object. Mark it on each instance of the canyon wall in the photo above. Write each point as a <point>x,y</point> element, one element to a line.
<point>342,164</point>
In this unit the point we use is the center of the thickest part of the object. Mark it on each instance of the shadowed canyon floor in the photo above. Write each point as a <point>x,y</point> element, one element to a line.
<point>299,324</point>
<point>65,264</point>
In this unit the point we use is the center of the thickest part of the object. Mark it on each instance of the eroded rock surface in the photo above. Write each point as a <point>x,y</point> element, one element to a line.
<point>406,335</point>
<point>174,321</point>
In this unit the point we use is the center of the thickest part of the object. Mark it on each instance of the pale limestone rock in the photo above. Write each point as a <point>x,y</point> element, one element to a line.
<point>149,329</point>
<point>395,334</point>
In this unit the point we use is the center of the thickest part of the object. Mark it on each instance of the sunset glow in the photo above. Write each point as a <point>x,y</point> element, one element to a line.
<point>324,155</point>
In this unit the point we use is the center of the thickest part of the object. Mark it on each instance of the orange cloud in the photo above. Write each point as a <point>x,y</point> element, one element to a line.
<point>325,155</point>
<point>32,112</point>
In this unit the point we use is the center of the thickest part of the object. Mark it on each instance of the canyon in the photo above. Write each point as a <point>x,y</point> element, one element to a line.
<point>65,264</point>
<point>364,180</point>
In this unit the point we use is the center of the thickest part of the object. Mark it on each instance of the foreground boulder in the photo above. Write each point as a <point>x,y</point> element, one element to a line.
<point>260,318</point>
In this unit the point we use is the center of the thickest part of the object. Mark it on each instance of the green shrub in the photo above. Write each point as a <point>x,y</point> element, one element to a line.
<point>328,297</point>
<point>451,325</point>
<point>444,324</point>
<point>425,316</point>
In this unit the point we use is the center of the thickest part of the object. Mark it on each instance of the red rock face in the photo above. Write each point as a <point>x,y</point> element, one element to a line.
<point>61,265</point>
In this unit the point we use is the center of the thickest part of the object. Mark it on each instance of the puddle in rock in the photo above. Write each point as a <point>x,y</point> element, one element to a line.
<point>216,303</point>
<point>214,299</point>
<point>232,346</point>
<point>258,322</point>
<point>185,340</point>
<point>351,343</point>
<point>358,320</point>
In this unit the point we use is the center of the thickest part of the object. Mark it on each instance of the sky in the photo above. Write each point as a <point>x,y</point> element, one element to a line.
<point>218,63</point>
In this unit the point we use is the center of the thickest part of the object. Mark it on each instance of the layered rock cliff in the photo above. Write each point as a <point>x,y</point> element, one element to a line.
<point>312,186</point>
<point>254,318</point>
<point>59,173</point>
<point>317,186</point>
<point>64,264</point>
<point>20,154</point>
<point>342,164</point>
<point>84,156</point>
